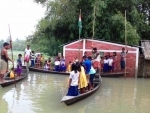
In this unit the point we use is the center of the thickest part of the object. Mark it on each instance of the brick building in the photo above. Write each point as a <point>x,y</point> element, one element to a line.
<point>77,49</point>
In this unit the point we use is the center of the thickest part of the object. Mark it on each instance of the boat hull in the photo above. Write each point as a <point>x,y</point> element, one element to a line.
<point>68,100</point>
<point>12,81</point>
<point>117,74</point>
<point>47,71</point>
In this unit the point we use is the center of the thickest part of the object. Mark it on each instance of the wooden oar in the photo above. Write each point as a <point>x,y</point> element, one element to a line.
<point>12,55</point>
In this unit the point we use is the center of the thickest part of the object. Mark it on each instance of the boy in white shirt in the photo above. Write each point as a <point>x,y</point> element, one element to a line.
<point>110,64</point>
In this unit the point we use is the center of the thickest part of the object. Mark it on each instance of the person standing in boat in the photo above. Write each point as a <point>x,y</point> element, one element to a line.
<point>87,64</point>
<point>4,59</point>
<point>122,60</point>
<point>62,64</point>
<point>114,61</point>
<point>85,54</point>
<point>27,54</point>
<point>69,67</point>
<point>92,74</point>
<point>19,65</point>
<point>32,59</point>
<point>73,81</point>
<point>96,59</point>
<point>83,80</point>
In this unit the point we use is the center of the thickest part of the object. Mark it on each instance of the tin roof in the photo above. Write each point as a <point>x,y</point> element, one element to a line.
<point>146,48</point>
<point>98,40</point>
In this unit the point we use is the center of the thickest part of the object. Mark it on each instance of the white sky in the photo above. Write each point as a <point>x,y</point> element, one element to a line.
<point>21,15</point>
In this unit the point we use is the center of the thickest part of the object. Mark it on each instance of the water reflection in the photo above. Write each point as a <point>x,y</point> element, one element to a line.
<point>41,93</point>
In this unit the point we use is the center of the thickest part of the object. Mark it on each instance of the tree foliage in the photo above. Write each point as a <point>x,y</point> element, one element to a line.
<point>19,45</point>
<point>60,22</point>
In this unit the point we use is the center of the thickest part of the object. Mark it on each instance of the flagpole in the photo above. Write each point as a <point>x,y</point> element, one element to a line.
<point>79,36</point>
<point>125,46</point>
<point>12,54</point>
<point>93,25</point>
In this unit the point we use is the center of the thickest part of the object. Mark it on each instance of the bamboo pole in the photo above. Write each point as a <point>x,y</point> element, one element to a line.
<point>93,25</point>
<point>79,38</point>
<point>125,46</point>
<point>12,54</point>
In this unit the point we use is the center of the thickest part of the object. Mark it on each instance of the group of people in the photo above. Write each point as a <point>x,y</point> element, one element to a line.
<point>82,74</point>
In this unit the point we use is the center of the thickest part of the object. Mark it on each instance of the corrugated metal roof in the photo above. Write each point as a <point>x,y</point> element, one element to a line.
<point>146,48</point>
<point>99,40</point>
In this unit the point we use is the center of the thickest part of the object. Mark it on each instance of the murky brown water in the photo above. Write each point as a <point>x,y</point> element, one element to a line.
<point>41,93</point>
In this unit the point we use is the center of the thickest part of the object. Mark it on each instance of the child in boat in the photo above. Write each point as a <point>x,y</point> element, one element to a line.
<point>73,81</point>
<point>110,63</point>
<point>102,63</point>
<point>69,67</point>
<point>42,60</point>
<point>12,73</point>
<point>46,67</point>
<point>57,65</point>
<point>32,59</point>
<point>114,61</point>
<point>105,64</point>
<point>19,65</point>
<point>92,75</point>
<point>62,65</point>
<point>49,63</point>
<point>38,60</point>
<point>83,80</point>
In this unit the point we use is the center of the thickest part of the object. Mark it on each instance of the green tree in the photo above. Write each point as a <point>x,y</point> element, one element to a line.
<point>60,22</point>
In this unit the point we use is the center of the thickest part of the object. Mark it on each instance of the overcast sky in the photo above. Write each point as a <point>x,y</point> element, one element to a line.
<point>21,15</point>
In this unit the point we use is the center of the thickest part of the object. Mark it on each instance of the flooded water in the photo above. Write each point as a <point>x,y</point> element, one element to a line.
<point>42,93</point>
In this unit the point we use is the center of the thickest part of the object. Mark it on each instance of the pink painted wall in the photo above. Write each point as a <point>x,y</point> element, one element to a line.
<point>131,57</point>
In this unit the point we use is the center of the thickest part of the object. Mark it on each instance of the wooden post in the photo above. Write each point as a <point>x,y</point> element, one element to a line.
<point>93,25</point>
<point>79,38</point>
<point>12,54</point>
<point>125,46</point>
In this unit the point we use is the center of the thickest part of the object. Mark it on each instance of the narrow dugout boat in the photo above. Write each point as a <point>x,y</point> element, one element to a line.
<point>68,100</point>
<point>47,71</point>
<point>117,74</point>
<point>7,81</point>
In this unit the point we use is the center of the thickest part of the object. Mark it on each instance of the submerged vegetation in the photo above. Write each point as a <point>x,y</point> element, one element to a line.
<point>60,26</point>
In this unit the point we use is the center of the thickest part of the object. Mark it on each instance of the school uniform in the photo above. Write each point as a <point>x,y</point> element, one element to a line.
<point>62,65</point>
<point>57,65</point>
<point>105,65</point>
<point>73,89</point>
<point>110,64</point>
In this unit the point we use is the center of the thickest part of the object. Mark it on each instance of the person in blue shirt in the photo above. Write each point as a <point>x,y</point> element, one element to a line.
<point>87,64</point>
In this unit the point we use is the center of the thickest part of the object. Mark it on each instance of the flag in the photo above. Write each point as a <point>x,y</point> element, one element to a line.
<point>80,25</point>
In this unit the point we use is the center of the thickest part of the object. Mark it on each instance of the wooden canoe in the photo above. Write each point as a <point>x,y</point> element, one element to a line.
<point>47,71</point>
<point>117,74</point>
<point>9,81</point>
<point>68,100</point>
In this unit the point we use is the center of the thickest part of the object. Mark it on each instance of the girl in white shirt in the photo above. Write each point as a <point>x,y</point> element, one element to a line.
<point>73,81</point>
